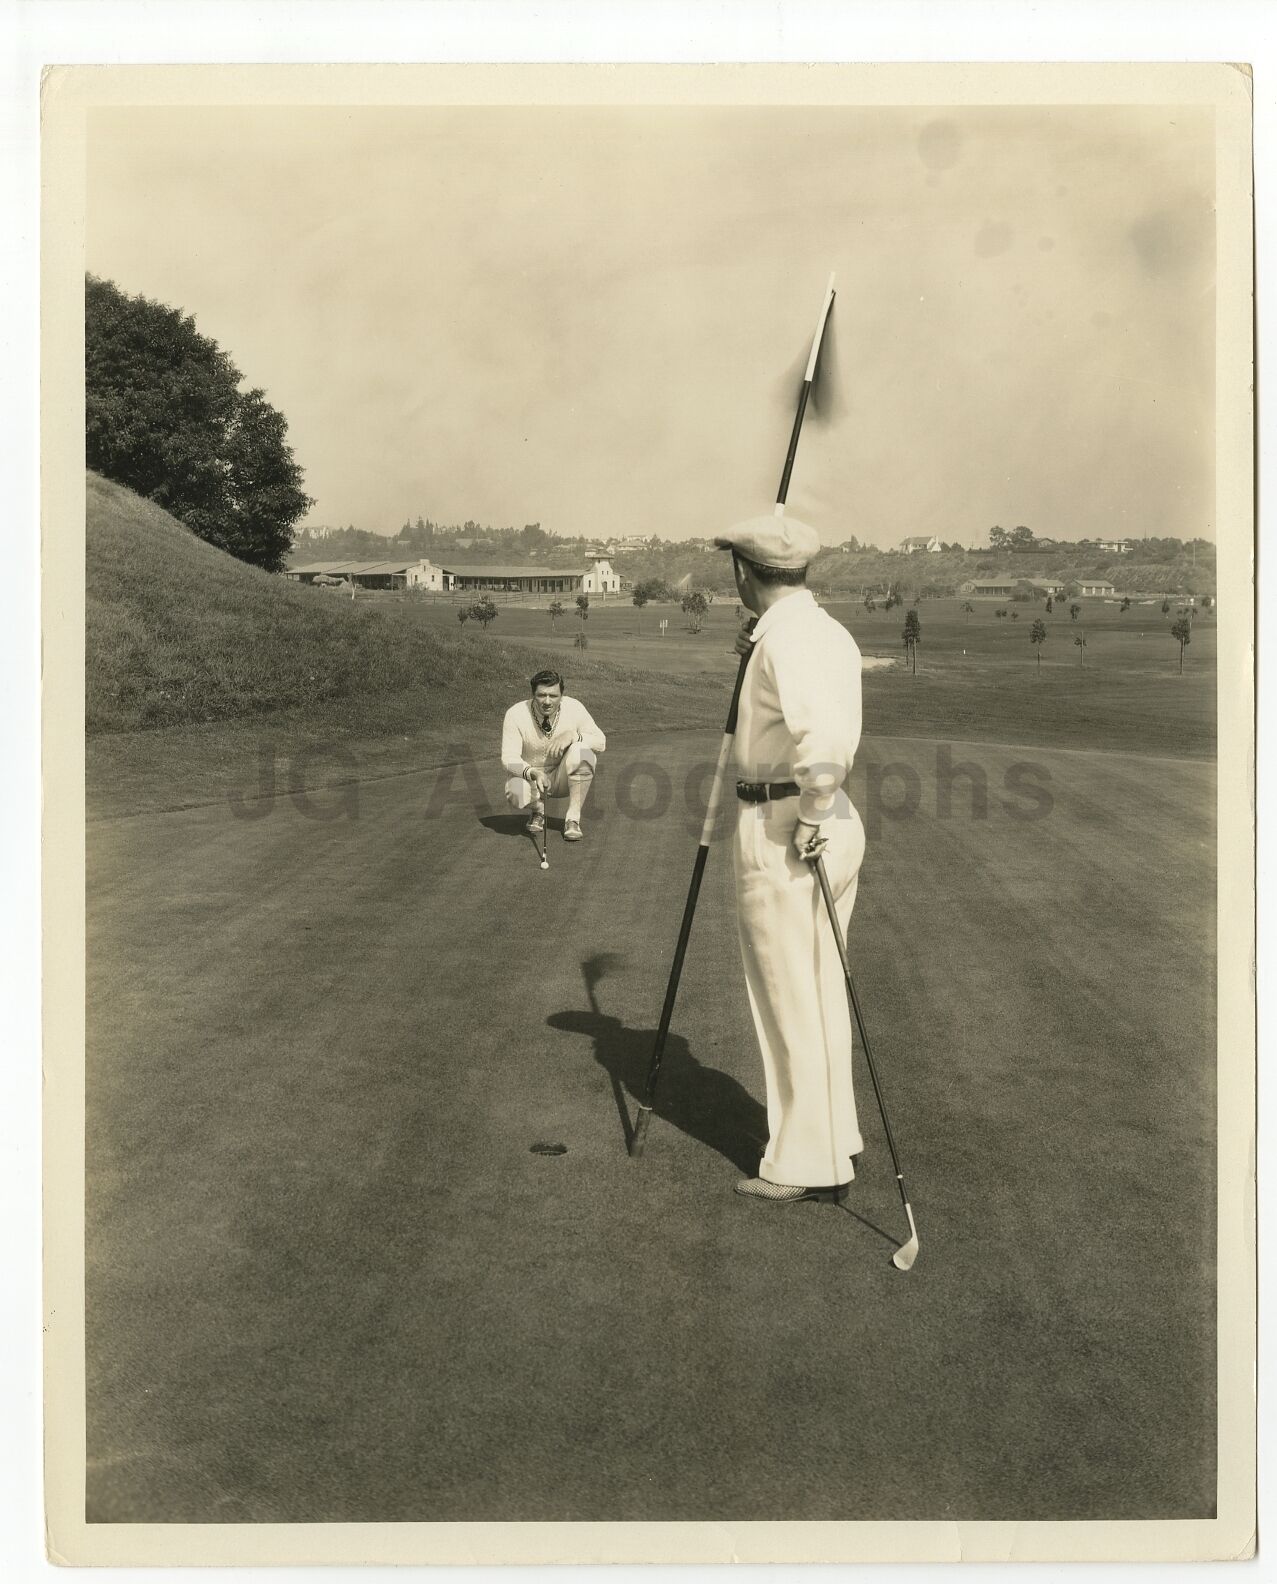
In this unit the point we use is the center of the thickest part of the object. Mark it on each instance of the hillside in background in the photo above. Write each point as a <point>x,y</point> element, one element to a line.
<point>179,633</point>
<point>855,572</point>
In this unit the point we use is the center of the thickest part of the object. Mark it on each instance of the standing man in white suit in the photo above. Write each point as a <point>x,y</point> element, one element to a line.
<point>796,738</point>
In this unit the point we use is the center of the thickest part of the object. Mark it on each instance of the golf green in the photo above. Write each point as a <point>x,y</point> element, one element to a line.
<point>365,1243</point>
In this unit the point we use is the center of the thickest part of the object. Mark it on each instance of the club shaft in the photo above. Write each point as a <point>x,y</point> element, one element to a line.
<point>860,1025</point>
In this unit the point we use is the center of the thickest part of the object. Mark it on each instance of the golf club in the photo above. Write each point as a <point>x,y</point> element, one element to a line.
<point>904,1256</point>
<point>545,860</point>
<point>644,1117</point>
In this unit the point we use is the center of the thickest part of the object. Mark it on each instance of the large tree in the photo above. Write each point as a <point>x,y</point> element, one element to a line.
<point>165,415</point>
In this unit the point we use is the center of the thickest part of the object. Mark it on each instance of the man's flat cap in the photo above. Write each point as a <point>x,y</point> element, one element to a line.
<point>772,541</point>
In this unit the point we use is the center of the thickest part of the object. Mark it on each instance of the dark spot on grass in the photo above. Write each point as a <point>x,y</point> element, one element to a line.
<point>549,1149</point>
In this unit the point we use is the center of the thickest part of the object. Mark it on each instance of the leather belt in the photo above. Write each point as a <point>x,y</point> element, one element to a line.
<point>766,791</point>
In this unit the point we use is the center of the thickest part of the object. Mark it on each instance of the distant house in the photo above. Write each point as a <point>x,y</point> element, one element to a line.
<point>425,575</point>
<point>1115,546</point>
<point>1051,586</point>
<point>996,584</point>
<point>500,578</point>
<point>927,542</point>
<point>370,574</point>
<point>1095,586</point>
<point>600,578</point>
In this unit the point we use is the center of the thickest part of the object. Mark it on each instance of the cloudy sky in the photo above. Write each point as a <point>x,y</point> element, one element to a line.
<point>592,318</point>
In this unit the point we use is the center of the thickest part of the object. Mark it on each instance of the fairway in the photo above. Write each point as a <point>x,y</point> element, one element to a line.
<point>331,1276</point>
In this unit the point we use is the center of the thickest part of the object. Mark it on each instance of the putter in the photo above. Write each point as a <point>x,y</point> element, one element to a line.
<point>905,1255</point>
<point>545,860</point>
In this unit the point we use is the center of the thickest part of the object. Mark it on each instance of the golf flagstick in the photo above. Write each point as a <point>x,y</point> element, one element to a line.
<point>905,1255</point>
<point>810,374</point>
<point>644,1117</point>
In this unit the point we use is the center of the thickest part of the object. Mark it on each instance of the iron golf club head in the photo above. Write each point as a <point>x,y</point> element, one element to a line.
<point>904,1256</point>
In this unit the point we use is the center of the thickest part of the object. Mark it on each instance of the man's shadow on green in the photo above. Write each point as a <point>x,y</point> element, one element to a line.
<point>705,1104</point>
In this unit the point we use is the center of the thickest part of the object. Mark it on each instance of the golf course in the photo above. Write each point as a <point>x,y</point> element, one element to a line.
<point>364,1240</point>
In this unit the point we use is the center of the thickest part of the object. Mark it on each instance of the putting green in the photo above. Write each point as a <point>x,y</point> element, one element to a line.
<point>334,1273</point>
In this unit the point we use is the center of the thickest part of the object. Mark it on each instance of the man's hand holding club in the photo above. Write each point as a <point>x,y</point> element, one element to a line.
<point>808,842</point>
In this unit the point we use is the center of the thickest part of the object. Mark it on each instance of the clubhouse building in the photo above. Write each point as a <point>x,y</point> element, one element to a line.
<point>454,578</point>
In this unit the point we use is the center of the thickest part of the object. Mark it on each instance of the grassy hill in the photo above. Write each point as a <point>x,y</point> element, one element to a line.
<point>179,634</point>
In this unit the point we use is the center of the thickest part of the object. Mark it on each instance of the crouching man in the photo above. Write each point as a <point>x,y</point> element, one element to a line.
<point>550,747</point>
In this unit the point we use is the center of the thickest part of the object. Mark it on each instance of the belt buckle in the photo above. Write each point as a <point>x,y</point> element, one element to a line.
<point>751,791</point>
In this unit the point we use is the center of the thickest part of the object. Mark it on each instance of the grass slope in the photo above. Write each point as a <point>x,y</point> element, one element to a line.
<point>180,634</point>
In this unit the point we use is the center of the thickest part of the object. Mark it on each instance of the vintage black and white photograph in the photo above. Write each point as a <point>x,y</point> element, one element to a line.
<point>663,677</point>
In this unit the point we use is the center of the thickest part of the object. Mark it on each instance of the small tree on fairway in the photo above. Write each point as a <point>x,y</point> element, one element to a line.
<point>581,641</point>
<point>1050,604</point>
<point>1080,641</point>
<point>1126,604</point>
<point>1015,615</point>
<point>556,610</point>
<point>1074,612</point>
<point>484,611</point>
<point>913,637</point>
<point>1037,637</point>
<point>640,598</point>
<point>968,610</point>
<point>1183,631</point>
<point>694,608</point>
<point>463,615</point>
<point>583,606</point>
<point>1166,607</point>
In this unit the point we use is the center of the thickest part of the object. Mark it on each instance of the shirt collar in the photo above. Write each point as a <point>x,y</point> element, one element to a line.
<point>783,610</point>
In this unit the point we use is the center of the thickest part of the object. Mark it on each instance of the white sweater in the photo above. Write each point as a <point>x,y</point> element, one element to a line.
<point>800,704</point>
<point>524,744</point>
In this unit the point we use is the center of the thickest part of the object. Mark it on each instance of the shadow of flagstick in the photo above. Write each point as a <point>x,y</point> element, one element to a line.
<point>592,970</point>
<point>707,1105</point>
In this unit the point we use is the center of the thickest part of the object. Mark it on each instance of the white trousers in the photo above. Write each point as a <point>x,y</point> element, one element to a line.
<point>797,991</point>
<point>569,779</point>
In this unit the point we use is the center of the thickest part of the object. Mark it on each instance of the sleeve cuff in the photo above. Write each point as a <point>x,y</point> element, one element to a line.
<point>814,808</point>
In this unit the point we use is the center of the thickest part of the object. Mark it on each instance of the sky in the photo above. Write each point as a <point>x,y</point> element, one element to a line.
<point>595,318</point>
